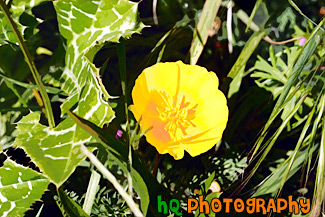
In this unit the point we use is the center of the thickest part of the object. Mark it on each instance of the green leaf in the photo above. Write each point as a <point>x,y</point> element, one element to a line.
<point>200,35</point>
<point>235,84</point>
<point>286,17</point>
<point>273,77</point>
<point>52,150</point>
<point>20,187</point>
<point>208,198</point>
<point>71,208</point>
<point>208,181</point>
<point>142,189</point>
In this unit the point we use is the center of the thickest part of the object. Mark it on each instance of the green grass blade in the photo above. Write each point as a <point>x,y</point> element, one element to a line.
<point>301,61</point>
<point>161,53</point>
<point>111,144</point>
<point>313,136</point>
<point>247,51</point>
<point>272,183</point>
<point>235,84</point>
<point>51,90</point>
<point>319,192</point>
<point>200,36</point>
<point>163,41</point>
<point>31,64</point>
<point>15,91</point>
<point>245,19</point>
<point>300,12</point>
<point>297,148</point>
<point>245,54</point>
<point>39,211</point>
<point>257,5</point>
<point>272,140</point>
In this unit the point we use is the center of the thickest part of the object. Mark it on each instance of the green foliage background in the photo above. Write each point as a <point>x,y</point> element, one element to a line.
<point>67,82</point>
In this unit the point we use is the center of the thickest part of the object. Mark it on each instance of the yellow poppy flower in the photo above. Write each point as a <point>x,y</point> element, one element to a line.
<point>183,106</point>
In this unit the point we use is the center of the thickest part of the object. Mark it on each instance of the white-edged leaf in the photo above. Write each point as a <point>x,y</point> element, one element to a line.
<point>17,8</point>
<point>20,187</point>
<point>55,151</point>
<point>84,24</point>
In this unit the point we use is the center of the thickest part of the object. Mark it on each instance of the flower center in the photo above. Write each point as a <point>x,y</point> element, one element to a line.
<point>178,117</point>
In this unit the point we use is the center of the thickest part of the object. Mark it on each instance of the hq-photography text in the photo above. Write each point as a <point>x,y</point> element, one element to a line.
<point>251,205</point>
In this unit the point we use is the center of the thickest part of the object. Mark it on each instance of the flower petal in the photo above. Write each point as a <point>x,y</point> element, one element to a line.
<point>183,107</point>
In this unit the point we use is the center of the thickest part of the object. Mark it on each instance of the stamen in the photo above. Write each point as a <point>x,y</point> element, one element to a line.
<point>177,117</point>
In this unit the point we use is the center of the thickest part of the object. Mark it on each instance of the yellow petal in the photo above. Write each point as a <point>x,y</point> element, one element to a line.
<point>182,105</point>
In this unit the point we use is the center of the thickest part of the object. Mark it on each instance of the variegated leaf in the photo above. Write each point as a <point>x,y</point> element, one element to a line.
<point>84,24</point>
<point>20,187</point>
<point>17,8</point>
<point>55,151</point>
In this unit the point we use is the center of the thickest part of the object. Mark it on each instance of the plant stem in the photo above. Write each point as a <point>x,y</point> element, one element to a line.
<point>110,177</point>
<point>31,64</point>
<point>91,191</point>
<point>122,65</point>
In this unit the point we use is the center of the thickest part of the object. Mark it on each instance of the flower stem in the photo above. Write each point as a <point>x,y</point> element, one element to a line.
<point>122,65</point>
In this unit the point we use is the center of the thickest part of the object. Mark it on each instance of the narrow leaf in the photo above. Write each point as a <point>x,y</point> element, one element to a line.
<point>257,4</point>
<point>272,183</point>
<point>200,36</point>
<point>72,209</point>
<point>243,58</point>
<point>51,90</point>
